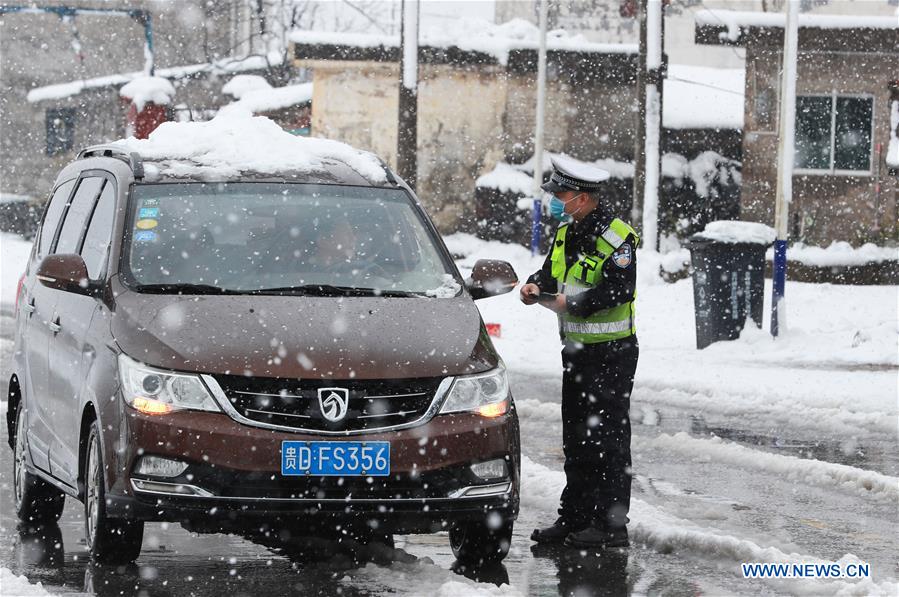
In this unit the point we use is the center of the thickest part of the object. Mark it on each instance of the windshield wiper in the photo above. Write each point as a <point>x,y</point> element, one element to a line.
<point>184,288</point>
<point>331,290</point>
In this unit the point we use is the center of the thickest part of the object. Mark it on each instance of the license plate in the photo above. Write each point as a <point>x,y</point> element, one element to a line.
<point>351,459</point>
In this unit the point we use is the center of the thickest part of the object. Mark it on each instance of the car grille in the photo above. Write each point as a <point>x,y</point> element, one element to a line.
<point>372,404</point>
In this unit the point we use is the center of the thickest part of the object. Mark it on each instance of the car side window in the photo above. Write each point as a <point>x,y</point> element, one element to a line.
<point>55,207</point>
<point>77,214</point>
<point>99,232</point>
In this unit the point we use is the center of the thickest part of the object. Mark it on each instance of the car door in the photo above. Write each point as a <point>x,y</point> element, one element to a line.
<point>72,316</point>
<point>37,304</point>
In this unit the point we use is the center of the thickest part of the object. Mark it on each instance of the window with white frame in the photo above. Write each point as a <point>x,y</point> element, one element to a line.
<point>833,133</point>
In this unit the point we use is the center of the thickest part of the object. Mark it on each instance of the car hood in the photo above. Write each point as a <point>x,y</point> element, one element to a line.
<point>304,337</point>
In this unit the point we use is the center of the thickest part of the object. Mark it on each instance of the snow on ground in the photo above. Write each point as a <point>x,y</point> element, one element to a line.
<point>10,585</point>
<point>801,378</point>
<point>422,577</point>
<point>541,486</point>
<point>15,252</point>
<point>812,472</point>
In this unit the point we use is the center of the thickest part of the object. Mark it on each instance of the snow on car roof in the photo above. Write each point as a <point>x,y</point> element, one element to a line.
<point>236,142</point>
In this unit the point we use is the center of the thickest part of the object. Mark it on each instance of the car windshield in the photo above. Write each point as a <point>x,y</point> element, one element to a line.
<point>281,239</point>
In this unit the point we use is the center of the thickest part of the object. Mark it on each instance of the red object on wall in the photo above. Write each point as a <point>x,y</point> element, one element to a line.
<point>141,124</point>
<point>494,329</point>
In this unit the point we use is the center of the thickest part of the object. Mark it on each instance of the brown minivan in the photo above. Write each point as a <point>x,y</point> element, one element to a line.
<point>250,350</point>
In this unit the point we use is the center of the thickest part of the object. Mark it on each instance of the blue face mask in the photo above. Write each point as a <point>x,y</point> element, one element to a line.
<point>557,210</point>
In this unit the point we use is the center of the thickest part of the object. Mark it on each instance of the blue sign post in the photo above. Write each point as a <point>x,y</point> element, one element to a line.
<point>536,226</point>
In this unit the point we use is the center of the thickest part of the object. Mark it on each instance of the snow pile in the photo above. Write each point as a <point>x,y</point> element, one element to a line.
<point>893,149</point>
<point>19,585</point>
<point>736,21</point>
<point>701,97</point>
<point>839,254</point>
<point>507,178</point>
<point>812,472</point>
<point>219,67</point>
<point>275,98</point>
<point>421,577</point>
<point>732,232</point>
<point>471,35</point>
<point>235,141</point>
<point>705,170</point>
<point>240,84</point>
<point>146,90</point>
<point>518,178</point>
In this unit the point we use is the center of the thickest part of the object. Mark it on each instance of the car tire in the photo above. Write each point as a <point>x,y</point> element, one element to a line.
<point>475,543</point>
<point>109,540</point>
<point>36,501</point>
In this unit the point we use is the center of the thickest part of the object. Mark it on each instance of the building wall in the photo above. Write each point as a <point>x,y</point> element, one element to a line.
<point>37,50</point>
<point>469,119</point>
<point>825,207</point>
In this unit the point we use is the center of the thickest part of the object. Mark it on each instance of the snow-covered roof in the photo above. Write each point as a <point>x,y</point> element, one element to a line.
<point>736,20</point>
<point>144,90</point>
<point>275,98</point>
<point>703,97</point>
<point>240,84</point>
<point>472,35</point>
<point>219,67</point>
<point>236,142</point>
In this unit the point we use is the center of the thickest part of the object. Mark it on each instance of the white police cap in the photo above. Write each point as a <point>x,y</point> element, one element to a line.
<point>573,175</point>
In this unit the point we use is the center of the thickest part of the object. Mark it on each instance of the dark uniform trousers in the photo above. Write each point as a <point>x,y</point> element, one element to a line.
<point>596,431</point>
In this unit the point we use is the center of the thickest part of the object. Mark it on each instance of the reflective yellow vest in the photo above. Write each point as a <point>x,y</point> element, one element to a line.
<point>604,325</point>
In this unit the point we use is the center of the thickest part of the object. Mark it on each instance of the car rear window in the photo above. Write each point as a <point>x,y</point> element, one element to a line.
<point>259,237</point>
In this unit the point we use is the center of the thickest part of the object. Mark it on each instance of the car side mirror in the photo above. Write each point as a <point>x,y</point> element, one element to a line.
<point>66,272</point>
<point>491,277</point>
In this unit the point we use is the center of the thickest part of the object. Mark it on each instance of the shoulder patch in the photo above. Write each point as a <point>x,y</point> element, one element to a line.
<point>623,256</point>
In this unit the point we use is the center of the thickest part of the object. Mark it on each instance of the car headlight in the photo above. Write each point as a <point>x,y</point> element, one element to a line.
<point>485,393</point>
<point>157,392</point>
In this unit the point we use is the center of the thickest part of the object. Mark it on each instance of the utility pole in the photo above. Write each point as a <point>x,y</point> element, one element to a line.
<point>538,134</point>
<point>640,128</point>
<point>785,155</point>
<point>653,123</point>
<point>407,126</point>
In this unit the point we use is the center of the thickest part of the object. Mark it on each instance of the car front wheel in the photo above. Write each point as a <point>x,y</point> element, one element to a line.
<point>36,500</point>
<point>479,543</point>
<point>109,540</point>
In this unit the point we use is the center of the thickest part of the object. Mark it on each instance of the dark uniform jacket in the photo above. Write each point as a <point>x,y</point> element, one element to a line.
<point>619,281</point>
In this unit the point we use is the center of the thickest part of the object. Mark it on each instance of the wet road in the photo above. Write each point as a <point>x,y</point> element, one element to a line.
<point>728,499</point>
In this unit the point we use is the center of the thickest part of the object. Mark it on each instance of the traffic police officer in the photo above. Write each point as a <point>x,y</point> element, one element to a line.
<point>589,280</point>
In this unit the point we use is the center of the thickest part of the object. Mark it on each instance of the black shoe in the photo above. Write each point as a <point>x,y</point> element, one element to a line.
<point>555,533</point>
<point>594,537</point>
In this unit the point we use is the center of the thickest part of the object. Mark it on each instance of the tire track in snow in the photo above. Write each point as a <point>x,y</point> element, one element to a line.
<point>541,487</point>
<point>783,409</point>
<point>812,472</point>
